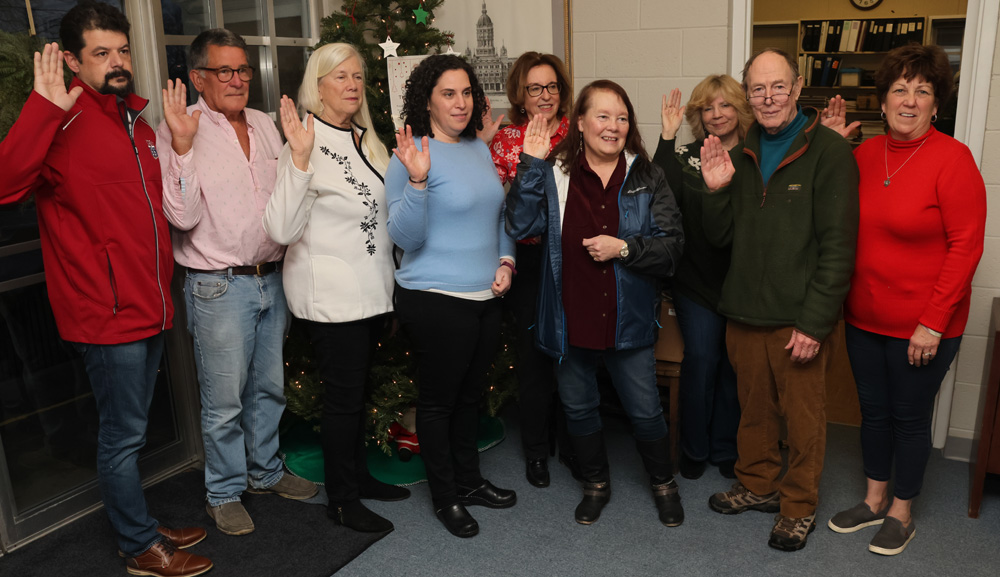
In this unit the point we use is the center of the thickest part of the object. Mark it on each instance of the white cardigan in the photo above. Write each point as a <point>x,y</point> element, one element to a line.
<point>339,266</point>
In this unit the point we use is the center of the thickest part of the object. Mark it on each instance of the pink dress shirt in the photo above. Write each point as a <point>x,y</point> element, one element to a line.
<point>214,197</point>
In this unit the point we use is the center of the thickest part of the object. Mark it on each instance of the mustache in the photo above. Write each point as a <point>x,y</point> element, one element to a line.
<point>118,73</point>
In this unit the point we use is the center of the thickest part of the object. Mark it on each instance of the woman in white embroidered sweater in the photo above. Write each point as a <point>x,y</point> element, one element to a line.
<point>329,208</point>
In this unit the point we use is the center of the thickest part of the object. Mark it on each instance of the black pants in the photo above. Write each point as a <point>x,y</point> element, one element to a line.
<point>897,406</point>
<point>455,341</point>
<point>344,354</point>
<point>539,406</point>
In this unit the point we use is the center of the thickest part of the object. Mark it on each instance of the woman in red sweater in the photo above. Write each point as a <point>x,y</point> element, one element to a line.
<point>922,222</point>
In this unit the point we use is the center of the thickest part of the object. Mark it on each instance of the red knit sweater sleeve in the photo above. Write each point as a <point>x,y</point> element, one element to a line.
<point>961,195</point>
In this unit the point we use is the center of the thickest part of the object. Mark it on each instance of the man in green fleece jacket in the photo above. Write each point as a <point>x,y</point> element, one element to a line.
<point>787,203</point>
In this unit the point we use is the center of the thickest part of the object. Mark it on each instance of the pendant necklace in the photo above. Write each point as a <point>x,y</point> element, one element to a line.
<point>888,177</point>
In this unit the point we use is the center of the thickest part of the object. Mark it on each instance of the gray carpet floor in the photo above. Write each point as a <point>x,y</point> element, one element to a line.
<point>539,536</point>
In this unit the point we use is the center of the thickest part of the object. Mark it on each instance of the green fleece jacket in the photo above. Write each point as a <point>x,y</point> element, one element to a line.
<point>793,241</point>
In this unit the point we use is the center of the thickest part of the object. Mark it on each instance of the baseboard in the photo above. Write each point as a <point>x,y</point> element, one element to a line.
<point>957,449</point>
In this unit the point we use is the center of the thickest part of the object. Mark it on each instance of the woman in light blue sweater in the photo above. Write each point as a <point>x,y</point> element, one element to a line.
<point>446,213</point>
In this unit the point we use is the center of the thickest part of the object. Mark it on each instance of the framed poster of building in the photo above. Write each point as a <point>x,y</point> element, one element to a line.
<point>491,34</point>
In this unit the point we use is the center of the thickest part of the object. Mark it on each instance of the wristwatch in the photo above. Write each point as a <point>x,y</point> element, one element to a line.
<point>623,252</point>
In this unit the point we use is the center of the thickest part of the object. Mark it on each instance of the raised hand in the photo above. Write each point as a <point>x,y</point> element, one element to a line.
<point>300,138</point>
<point>834,117</point>
<point>671,114</point>
<point>490,126</point>
<point>716,166</point>
<point>416,161</point>
<point>183,126</point>
<point>49,81</point>
<point>536,137</point>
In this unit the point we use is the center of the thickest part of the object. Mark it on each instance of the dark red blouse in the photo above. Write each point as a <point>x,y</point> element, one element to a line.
<point>590,294</point>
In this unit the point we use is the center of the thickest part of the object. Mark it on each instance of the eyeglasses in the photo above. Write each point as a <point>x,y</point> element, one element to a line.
<point>536,89</point>
<point>225,74</point>
<point>758,100</point>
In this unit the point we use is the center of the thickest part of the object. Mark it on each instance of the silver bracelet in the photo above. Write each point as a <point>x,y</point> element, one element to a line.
<point>933,332</point>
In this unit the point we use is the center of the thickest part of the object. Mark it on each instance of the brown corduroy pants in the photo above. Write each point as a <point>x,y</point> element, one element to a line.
<point>772,387</point>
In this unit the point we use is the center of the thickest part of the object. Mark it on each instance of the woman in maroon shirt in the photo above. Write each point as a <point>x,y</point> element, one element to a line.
<point>920,237</point>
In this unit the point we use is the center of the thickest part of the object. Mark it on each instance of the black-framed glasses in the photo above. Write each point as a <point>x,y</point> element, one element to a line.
<point>759,100</point>
<point>225,74</point>
<point>536,89</point>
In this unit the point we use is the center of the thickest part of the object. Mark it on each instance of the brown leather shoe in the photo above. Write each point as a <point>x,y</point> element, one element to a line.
<point>184,537</point>
<point>163,560</point>
<point>180,538</point>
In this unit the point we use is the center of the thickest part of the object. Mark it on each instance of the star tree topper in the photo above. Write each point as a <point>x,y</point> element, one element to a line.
<point>389,47</point>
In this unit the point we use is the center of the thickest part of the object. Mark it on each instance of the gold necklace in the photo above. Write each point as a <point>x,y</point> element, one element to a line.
<point>888,177</point>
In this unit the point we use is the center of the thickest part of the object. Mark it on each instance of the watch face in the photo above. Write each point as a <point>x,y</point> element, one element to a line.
<point>865,4</point>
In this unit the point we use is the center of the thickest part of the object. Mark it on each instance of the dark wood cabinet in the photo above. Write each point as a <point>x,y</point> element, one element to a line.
<point>986,441</point>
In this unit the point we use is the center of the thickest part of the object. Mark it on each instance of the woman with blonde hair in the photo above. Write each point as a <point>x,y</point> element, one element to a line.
<point>329,208</point>
<point>710,410</point>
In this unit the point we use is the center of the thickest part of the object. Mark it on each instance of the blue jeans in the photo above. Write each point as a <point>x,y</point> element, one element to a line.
<point>633,373</point>
<point>238,325</point>
<point>897,406</point>
<point>123,377</point>
<point>709,404</point>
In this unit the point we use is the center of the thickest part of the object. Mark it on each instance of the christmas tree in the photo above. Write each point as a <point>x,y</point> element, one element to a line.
<point>366,23</point>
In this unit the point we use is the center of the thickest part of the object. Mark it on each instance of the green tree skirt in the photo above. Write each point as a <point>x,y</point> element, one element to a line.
<point>300,445</point>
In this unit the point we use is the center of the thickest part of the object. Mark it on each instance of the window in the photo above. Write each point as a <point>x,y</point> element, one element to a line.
<point>278,34</point>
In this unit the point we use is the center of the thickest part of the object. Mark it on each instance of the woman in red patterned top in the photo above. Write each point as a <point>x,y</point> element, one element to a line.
<point>537,84</point>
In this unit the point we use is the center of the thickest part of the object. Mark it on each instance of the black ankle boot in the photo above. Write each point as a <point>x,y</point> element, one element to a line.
<point>354,515</point>
<point>595,497</point>
<point>372,488</point>
<point>666,495</point>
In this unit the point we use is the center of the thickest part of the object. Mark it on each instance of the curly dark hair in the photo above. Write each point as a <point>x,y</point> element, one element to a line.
<point>421,84</point>
<point>90,15</point>
<point>569,150</point>
<point>517,79</point>
<point>929,62</point>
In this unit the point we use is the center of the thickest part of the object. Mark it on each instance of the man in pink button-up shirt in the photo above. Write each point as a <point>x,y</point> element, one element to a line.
<point>219,160</point>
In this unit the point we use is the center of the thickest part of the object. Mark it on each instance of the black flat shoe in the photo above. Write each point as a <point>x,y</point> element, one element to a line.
<point>691,469</point>
<point>728,469</point>
<point>354,515</point>
<point>571,463</point>
<point>458,521</point>
<point>537,472</point>
<point>379,491</point>
<point>486,495</point>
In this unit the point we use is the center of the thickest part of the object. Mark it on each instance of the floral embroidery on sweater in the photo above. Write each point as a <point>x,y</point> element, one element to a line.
<point>370,222</point>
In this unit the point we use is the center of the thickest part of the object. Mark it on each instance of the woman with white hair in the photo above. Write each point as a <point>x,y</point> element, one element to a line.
<point>329,208</point>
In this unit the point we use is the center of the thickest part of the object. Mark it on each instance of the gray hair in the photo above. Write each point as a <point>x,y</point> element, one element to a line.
<point>214,37</point>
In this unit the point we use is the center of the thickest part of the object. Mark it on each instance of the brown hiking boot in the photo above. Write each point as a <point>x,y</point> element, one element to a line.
<point>739,499</point>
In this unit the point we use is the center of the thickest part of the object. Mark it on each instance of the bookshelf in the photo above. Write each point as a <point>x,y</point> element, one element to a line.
<point>840,56</point>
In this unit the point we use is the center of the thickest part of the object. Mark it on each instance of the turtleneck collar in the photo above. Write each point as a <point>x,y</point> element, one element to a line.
<point>904,145</point>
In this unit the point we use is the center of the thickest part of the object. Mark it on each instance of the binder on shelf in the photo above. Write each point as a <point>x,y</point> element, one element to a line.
<point>850,35</point>
<point>888,37</point>
<point>817,71</point>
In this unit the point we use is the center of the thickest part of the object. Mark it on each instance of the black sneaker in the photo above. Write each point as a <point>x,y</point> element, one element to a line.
<point>789,533</point>
<point>893,537</point>
<point>856,518</point>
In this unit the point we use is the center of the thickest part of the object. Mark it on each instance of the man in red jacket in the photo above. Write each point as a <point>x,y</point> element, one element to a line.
<point>91,162</point>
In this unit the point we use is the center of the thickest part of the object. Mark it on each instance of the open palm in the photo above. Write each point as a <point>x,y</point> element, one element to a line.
<point>49,81</point>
